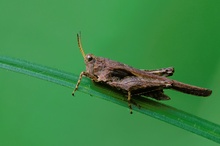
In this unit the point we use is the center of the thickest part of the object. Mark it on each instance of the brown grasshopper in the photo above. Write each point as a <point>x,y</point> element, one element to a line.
<point>133,81</point>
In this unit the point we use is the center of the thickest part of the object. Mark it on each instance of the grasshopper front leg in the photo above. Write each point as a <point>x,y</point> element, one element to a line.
<point>94,78</point>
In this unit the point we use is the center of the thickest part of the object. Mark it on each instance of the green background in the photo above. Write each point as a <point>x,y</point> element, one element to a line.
<point>145,34</point>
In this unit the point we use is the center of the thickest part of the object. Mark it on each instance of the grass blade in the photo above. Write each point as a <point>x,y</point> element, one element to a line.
<point>149,107</point>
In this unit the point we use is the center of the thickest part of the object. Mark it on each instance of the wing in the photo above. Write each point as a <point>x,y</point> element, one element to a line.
<point>117,69</point>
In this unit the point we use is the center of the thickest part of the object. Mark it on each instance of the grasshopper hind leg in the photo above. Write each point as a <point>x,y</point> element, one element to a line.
<point>158,95</point>
<point>166,72</point>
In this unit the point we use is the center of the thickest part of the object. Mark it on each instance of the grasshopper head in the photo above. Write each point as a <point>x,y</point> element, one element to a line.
<point>90,61</point>
<point>89,58</point>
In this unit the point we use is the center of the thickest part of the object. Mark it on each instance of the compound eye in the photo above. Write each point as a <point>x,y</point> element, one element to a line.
<point>89,57</point>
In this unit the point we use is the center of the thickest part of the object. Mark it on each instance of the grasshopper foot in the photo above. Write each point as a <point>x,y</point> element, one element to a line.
<point>130,109</point>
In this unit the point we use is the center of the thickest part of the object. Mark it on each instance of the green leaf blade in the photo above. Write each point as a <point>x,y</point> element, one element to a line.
<point>149,107</point>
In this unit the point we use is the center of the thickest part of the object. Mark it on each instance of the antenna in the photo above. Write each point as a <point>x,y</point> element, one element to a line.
<point>80,45</point>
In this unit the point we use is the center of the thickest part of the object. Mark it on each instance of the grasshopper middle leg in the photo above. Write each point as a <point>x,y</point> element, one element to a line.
<point>129,101</point>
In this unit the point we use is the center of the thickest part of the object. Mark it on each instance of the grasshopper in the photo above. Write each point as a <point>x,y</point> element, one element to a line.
<point>132,81</point>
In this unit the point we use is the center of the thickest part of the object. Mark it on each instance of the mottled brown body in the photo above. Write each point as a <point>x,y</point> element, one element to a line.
<point>133,81</point>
